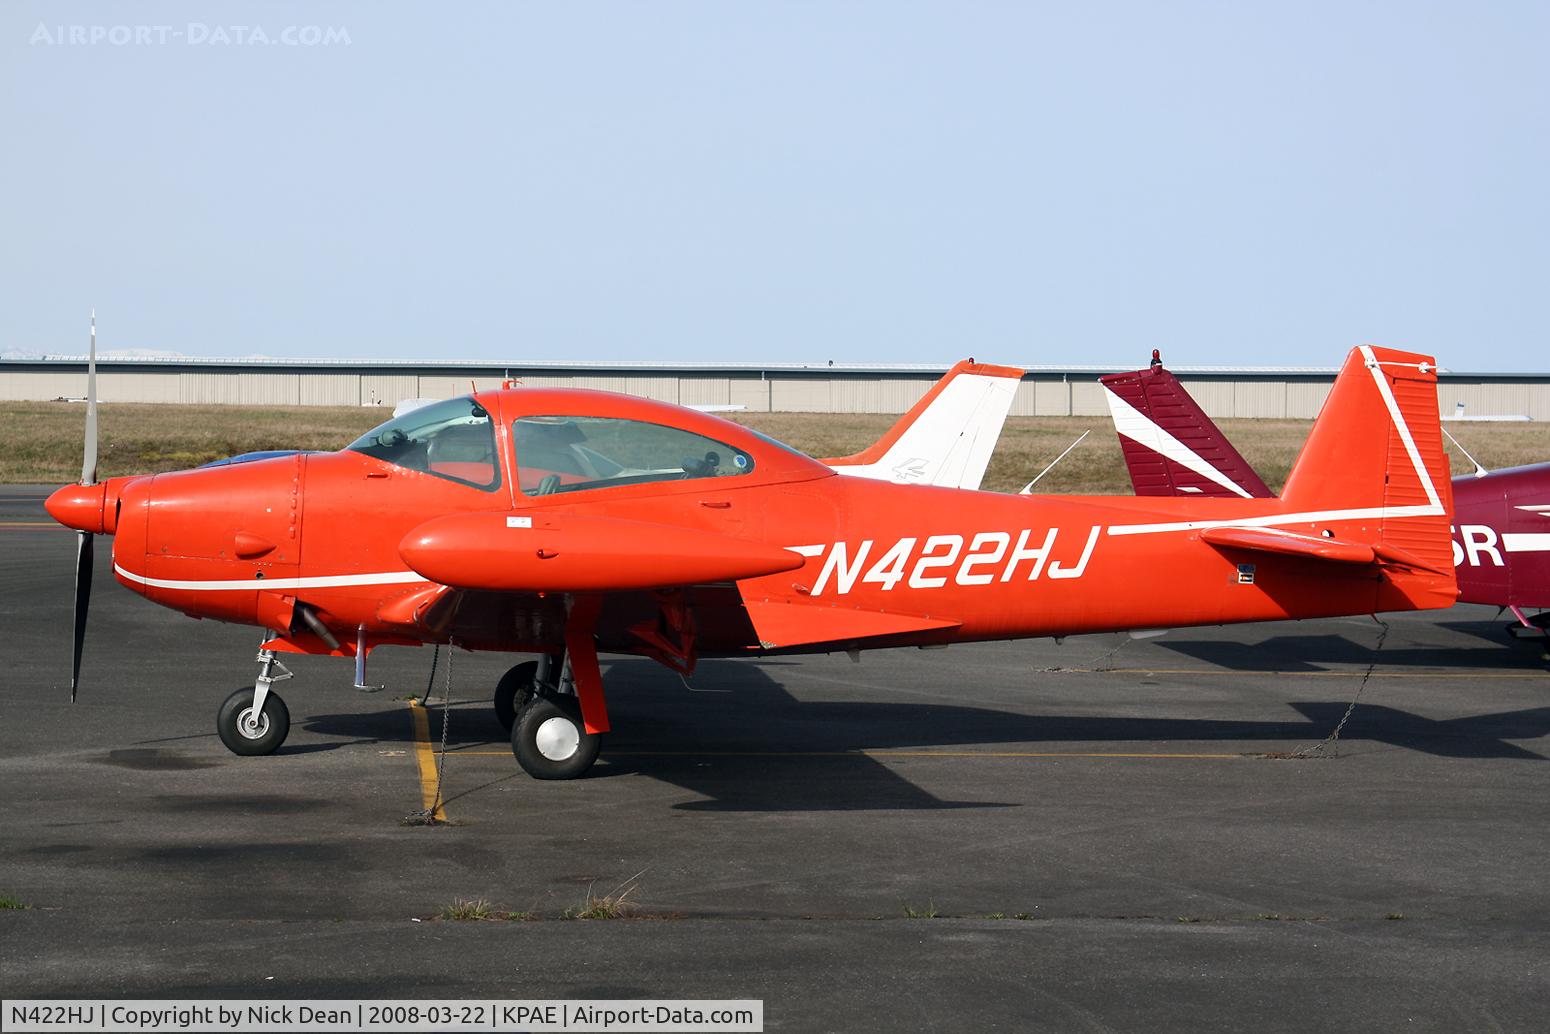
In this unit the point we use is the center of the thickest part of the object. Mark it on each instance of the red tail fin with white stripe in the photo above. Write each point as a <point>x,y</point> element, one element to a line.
<point>1371,484</point>
<point>1376,455</point>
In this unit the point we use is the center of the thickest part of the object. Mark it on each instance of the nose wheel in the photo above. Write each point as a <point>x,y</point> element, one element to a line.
<point>252,731</point>
<point>255,721</point>
<point>551,741</point>
<point>558,712</point>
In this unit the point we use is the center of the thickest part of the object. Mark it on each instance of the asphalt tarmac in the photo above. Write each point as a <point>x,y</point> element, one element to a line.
<point>1089,835</point>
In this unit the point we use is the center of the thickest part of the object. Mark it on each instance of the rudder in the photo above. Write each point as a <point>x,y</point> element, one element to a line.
<point>1375,456</point>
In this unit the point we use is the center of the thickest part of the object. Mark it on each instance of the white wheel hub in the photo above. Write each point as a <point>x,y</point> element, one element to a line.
<point>248,728</point>
<point>557,738</point>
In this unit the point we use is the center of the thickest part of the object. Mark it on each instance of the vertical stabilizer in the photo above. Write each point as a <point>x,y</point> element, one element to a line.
<point>1375,455</point>
<point>947,437</point>
<point>1171,447</point>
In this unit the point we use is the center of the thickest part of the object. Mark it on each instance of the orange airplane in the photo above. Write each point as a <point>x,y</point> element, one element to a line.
<point>569,523</point>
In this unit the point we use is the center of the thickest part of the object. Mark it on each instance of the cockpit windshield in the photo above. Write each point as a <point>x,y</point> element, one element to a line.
<point>571,453</point>
<point>454,439</point>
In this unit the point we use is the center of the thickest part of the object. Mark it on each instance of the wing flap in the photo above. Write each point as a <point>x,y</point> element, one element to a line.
<point>782,624</point>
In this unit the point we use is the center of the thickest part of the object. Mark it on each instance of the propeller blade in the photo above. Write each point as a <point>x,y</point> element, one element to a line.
<point>89,457</point>
<point>83,572</point>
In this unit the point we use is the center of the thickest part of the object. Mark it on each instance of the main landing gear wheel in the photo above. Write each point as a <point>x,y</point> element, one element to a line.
<point>513,691</point>
<point>551,742</point>
<point>251,734</point>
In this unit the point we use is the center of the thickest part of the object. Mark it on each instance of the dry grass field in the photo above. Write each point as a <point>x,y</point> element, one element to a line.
<point>44,441</point>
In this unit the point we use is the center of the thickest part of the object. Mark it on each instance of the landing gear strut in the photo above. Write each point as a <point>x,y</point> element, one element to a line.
<point>513,692</point>
<point>1528,627</point>
<point>557,703</point>
<point>256,721</point>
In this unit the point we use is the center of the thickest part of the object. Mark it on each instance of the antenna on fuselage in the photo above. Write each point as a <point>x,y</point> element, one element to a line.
<point>1480,471</point>
<point>1028,488</point>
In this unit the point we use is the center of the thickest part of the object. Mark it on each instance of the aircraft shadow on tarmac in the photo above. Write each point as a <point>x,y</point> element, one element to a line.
<point>1294,653</point>
<point>747,744</point>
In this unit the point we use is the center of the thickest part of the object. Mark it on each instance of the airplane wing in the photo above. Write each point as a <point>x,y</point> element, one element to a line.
<point>947,437</point>
<point>570,552</point>
<point>1171,447</point>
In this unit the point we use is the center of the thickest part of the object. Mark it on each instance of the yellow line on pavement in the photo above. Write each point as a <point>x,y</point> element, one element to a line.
<point>32,524</point>
<point>426,756</point>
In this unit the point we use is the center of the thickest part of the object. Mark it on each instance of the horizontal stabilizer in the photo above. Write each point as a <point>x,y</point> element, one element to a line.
<point>792,624</point>
<point>1290,543</point>
<point>567,552</point>
<point>1313,547</point>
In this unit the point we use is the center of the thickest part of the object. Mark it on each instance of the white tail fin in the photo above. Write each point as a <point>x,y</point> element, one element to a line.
<point>946,439</point>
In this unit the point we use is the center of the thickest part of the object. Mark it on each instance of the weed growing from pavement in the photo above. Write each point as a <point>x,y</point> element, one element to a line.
<point>477,910</point>
<point>616,904</point>
<point>466,910</point>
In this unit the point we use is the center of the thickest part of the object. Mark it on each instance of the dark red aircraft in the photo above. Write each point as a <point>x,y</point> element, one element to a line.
<point>1501,519</point>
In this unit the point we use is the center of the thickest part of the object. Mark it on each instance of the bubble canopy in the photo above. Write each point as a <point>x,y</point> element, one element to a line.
<point>556,441</point>
<point>562,453</point>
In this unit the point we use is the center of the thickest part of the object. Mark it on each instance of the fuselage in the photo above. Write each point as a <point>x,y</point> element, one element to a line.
<point>971,565</point>
<point>1501,536</point>
<point>318,547</point>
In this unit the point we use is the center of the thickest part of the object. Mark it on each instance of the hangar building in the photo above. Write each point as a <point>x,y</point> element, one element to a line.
<point>1263,392</point>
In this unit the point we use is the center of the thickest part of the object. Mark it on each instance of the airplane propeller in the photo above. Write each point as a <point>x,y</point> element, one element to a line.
<point>85,541</point>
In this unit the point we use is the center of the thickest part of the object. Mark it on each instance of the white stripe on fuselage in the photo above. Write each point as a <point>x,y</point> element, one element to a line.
<point>327,581</point>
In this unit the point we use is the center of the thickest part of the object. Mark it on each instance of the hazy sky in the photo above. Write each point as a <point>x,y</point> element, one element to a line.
<point>1233,182</point>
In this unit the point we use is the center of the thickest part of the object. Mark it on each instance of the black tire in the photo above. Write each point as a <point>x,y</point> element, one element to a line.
<point>274,724</point>
<point>533,728</point>
<point>512,691</point>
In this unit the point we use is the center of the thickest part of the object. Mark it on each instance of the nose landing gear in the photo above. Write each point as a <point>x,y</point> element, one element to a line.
<point>256,721</point>
<point>551,740</point>
<point>536,702</point>
<point>556,705</point>
<point>513,692</point>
